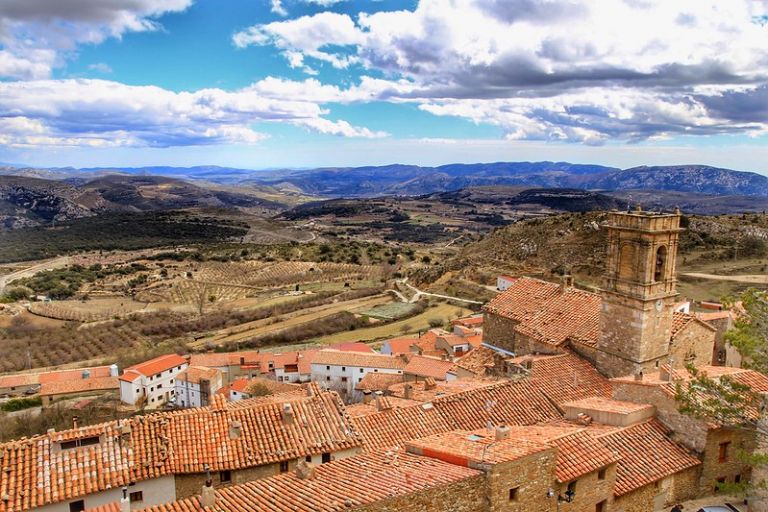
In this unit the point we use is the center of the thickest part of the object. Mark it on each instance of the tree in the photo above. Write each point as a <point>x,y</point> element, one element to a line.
<point>750,333</point>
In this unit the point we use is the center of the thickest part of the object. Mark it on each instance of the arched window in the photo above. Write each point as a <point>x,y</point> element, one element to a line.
<point>661,262</point>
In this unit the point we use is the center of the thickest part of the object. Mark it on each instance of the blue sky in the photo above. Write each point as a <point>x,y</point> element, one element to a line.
<point>303,83</point>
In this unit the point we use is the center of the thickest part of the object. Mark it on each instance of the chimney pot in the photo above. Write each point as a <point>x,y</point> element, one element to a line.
<point>502,432</point>
<point>235,429</point>
<point>367,396</point>
<point>664,373</point>
<point>408,392</point>
<point>125,502</point>
<point>287,414</point>
<point>305,470</point>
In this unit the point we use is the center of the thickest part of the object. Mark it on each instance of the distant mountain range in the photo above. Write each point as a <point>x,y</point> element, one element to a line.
<point>400,179</point>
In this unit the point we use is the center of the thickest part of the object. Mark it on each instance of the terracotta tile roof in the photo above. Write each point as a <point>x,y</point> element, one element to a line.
<point>469,321</point>
<point>30,378</point>
<point>475,340</point>
<point>606,404</point>
<point>338,358</point>
<point>390,429</point>
<point>716,315</point>
<point>378,381</point>
<point>566,377</point>
<point>441,388</point>
<point>506,402</point>
<point>345,484</point>
<point>647,455</point>
<point>153,366</point>
<point>355,346</point>
<point>39,472</point>
<point>221,359</point>
<point>453,339</point>
<point>242,385</point>
<point>549,314</point>
<point>428,367</point>
<point>402,345</point>
<point>80,385</point>
<point>681,320</point>
<point>478,361</point>
<point>580,453</point>
<point>358,410</point>
<point>109,507</point>
<point>195,374</point>
<point>473,448</point>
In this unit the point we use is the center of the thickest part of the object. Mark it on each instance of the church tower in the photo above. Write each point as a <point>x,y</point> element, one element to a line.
<point>639,292</point>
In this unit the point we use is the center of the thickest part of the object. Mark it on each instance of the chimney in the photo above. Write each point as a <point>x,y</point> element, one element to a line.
<point>305,470</point>
<point>367,396</point>
<point>566,282</point>
<point>125,502</point>
<point>429,383</point>
<point>287,414</point>
<point>408,392</point>
<point>502,432</point>
<point>86,374</point>
<point>583,419</point>
<point>639,376</point>
<point>235,429</point>
<point>208,496</point>
<point>664,374</point>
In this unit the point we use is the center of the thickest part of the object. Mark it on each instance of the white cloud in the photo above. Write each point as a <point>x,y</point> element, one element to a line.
<point>578,70</point>
<point>104,113</point>
<point>34,34</point>
<point>276,6</point>
<point>100,67</point>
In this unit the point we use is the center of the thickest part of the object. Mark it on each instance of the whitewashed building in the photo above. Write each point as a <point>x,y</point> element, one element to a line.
<point>341,371</point>
<point>151,383</point>
<point>196,386</point>
<point>503,282</point>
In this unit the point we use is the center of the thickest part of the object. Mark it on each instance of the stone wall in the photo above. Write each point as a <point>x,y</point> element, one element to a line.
<point>694,344</point>
<point>591,490</point>
<point>713,468</point>
<point>639,500</point>
<point>499,331</point>
<point>191,484</point>
<point>521,485</point>
<point>467,495</point>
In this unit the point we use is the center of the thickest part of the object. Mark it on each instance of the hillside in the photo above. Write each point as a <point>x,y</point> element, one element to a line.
<point>27,201</point>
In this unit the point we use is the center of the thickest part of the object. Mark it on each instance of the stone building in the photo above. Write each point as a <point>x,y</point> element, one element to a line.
<point>631,326</point>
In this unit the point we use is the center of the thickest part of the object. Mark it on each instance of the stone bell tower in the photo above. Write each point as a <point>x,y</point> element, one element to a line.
<point>639,291</point>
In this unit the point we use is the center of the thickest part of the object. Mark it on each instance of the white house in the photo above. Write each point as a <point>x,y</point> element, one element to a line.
<point>151,383</point>
<point>341,371</point>
<point>503,282</point>
<point>196,385</point>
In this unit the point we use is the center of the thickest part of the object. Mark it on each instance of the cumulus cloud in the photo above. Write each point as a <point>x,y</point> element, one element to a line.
<point>34,34</point>
<point>579,70</point>
<point>276,6</point>
<point>104,113</point>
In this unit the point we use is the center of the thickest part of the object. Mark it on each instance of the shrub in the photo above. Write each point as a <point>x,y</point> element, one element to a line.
<point>18,404</point>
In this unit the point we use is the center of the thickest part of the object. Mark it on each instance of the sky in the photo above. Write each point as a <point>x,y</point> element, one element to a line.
<point>308,83</point>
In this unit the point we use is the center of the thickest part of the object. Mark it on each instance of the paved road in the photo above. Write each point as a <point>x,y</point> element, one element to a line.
<point>30,271</point>
<point>745,278</point>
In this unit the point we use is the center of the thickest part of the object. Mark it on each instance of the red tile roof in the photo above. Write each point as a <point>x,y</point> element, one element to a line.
<point>355,346</point>
<point>473,448</point>
<point>38,472</point>
<point>469,321</point>
<point>344,484</point>
<point>338,358</point>
<point>32,378</point>
<point>242,385</point>
<point>647,455</point>
<point>378,381</point>
<point>548,313</point>
<point>478,361</point>
<point>681,320</point>
<point>428,367</point>
<point>597,403</point>
<point>390,429</point>
<point>566,377</point>
<point>152,367</point>
<point>453,339</point>
<point>195,374</point>
<point>402,345</point>
<point>71,387</point>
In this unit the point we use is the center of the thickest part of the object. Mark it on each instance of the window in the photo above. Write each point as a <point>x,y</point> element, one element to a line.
<point>152,388</point>
<point>343,368</point>
<point>178,367</point>
<point>159,386</point>
<point>76,443</point>
<point>77,506</point>
<point>513,493</point>
<point>359,379</point>
<point>284,466</point>
<point>326,457</point>
<point>737,479</point>
<point>328,378</point>
<point>308,458</point>
<point>343,379</point>
<point>720,481</point>
<point>723,452</point>
<point>600,507</point>
<point>225,476</point>
<point>327,367</point>
<point>361,370</point>
<point>376,370</point>
<point>572,487</point>
<point>138,391</point>
<point>601,474</point>
<point>661,259</point>
<point>171,381</point>
<point>136,496</point>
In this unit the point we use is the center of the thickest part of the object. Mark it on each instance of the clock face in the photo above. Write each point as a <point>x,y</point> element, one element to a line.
<point>659,305</point>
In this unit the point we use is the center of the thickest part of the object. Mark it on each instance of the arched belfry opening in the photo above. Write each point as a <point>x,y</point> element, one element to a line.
<point>661,264</point>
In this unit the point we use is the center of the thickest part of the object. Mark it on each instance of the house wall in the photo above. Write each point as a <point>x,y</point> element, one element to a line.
<point>733,465</point>
<point>590,490</point>
<point>662,494</point>
<point>156,491</point>
<point>466,495</point>
<point>499,331</point>
<point>187,393</point>
<point>332,377</point>
<point>532,476</point>
<point>130,392</point>
<point>693,344</point>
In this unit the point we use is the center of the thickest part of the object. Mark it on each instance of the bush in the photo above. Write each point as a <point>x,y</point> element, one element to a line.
<point>18,293</point>
<point>18,404</point>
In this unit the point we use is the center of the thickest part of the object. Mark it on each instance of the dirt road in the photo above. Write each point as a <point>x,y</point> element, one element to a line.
<point>34,269</point>
<point>748,278</point>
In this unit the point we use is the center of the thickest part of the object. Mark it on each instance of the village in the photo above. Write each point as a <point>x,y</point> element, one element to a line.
<point>551,398</point>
